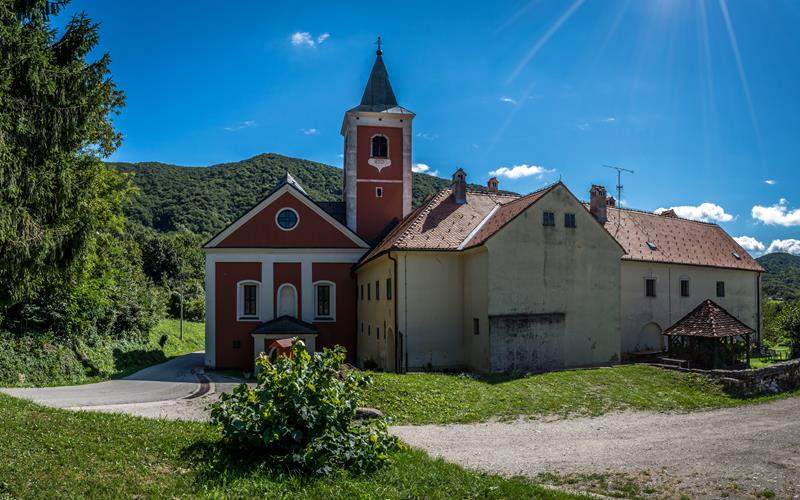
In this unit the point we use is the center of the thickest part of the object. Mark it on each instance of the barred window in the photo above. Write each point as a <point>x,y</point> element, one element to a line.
<point>548,219</point>
<point>380,146</point>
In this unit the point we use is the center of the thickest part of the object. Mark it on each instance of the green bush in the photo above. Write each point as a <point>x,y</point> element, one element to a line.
<point>300,416</point>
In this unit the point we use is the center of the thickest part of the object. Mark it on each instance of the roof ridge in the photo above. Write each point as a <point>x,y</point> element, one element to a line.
<point>647,212</point>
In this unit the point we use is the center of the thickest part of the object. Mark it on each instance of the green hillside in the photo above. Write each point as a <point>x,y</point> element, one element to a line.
<point>206,199</point>
<point>782,277</point>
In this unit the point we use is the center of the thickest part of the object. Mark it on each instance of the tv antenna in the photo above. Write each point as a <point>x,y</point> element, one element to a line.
<point>619,187</point>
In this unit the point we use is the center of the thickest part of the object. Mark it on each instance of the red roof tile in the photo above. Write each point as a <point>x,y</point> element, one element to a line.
<point>708,320</point>
<point>675,240</point>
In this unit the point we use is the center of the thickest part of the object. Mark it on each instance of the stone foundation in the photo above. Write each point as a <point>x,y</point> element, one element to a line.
<point>770,379</point>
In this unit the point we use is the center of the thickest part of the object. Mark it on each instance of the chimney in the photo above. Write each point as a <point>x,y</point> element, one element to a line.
<point>611,202</point>
<point>597,203</point>
<point>459,187</point>
<point>492,184</point>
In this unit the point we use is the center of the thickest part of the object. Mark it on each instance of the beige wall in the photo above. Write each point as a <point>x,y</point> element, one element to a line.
<point>430,308</point>
<point>375,323</point>
<point>643,318</point>
<point>476,306</point>
<point>553,271</point>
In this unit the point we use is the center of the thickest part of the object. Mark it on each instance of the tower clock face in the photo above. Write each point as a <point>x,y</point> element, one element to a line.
<point>380,163</point>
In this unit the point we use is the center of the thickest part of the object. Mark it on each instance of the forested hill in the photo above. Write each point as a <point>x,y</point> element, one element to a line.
<point>782,277</point>
<point>206,199</point>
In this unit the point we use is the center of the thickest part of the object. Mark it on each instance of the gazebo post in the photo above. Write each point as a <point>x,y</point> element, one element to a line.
<point>747,339</point>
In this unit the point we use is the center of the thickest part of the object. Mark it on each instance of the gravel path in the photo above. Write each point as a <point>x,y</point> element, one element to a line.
<point>736,451</point>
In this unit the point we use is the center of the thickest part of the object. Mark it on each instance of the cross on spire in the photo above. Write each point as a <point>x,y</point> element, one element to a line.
<point>379,43</point>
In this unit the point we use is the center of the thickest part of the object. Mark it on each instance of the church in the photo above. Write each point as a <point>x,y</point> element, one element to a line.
<point>472,279</point>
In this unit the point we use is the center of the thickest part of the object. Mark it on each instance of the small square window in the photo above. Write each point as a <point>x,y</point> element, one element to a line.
<point>720,289</point>
<point>652,246</point>
<point>476,326</point>
<point>548,219</point>
<point>378,192</point>
<point>684,288</point>
<point>650,287</point>
<point>388,288</point>
<point>569,220</point>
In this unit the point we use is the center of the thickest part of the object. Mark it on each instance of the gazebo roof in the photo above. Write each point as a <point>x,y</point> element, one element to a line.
<point>285,325</point>
<point>708,320</point>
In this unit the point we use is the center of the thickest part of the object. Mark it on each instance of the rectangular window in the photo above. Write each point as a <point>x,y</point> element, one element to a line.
<point>378,192</point>
<point>362,291</point>
<point>362,328</point>
<point>720,288</point>
<point>684,288</point>
<point>250,300</point>
<point>569,220</point>
<point>388,288</point>
<point>377,333</point>
<point>237,344</point>
<point>377,290</point>
<point>476,326</point>
<point>369,330</point>
<point>650,287</point>
<point>548,219</point>
<point>324,301</point>
<point>369,291</point>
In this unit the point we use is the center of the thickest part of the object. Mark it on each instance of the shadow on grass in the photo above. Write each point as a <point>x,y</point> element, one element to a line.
<point>130,362</point>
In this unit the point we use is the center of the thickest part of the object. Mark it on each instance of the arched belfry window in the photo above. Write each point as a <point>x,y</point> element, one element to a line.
<point>380,146</point>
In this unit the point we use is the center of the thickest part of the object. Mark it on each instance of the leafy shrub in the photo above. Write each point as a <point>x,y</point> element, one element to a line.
<point>300,415</point>
<point>789,321</point>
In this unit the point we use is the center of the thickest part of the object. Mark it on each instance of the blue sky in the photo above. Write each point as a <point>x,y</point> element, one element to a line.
<point>699,98</point>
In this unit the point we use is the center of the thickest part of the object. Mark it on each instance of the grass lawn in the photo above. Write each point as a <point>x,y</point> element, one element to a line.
<point>430,398</point>
<point>47,453</point>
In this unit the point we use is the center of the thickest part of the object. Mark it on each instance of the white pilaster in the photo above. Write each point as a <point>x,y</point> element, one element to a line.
<point>211,339</point>
<point>267,289</point>
<point>350,172</point>
<point>307,286</point>
<point>407,187</point>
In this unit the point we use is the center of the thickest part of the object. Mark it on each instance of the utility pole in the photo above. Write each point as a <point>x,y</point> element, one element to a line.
<point>619,187</point>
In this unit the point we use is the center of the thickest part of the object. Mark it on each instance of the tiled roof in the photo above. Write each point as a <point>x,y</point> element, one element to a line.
<point>441,224</point>
<point>284,325</point>
<point>708,320</point>
<point>650,237</point>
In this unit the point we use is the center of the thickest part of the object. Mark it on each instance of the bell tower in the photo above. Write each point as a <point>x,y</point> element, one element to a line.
<point>377,157</point>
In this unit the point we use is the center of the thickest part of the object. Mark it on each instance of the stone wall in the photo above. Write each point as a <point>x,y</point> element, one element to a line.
<point>770,379</point>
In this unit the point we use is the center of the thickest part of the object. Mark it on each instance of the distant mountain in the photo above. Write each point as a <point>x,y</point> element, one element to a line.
<point>206,199</point>
<point>782,277</point>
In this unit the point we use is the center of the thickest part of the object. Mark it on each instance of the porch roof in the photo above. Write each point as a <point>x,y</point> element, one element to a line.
<point>709,320</point>
<point>285,325</point>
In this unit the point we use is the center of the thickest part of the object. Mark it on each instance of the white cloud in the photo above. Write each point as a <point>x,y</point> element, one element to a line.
<point>427,136</point>
<point>584,126</point>
<point>789,246</point>
<point>706,212</point>
<point>309,131</point>
<point>771,182</point>
<point>508,100</point>
<point>777,215</point>
<point>240,126</point>
<point>304,38</point>
<point>519,171</point>
<point>750,244</point>
<point>421,168</point>
<point>609,119</point>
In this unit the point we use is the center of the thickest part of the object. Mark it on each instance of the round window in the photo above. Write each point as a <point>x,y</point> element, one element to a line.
<point>287,219</point>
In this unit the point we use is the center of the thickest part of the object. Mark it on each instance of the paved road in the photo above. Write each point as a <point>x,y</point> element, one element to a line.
<point>165,382</point>
<point>736,452</point>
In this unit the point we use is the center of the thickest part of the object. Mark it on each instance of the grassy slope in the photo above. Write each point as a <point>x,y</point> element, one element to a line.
<point>423,398</point>
<point>782,277</point>
<point>46,453</point>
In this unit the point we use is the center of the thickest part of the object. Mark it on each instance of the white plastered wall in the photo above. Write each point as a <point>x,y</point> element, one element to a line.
<point>376,315</point>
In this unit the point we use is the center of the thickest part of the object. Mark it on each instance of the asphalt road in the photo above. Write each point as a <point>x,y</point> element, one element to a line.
<point>734,452</point>
<point>165,382</point>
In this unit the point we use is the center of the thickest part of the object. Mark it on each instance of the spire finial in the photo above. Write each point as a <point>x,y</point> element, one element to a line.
<point>379,43</point>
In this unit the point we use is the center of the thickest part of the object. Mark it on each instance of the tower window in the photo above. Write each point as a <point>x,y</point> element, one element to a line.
<point>378,192</point>
<point>380,146</point>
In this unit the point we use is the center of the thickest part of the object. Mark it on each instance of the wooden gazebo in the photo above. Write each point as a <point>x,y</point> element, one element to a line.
<point>710,337</point>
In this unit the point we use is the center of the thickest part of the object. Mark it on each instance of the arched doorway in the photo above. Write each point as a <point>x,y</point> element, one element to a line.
<point>287,300</point>
<point>650,338</point>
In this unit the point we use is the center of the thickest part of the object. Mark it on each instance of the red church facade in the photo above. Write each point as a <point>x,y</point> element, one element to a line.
<point>285,268</point>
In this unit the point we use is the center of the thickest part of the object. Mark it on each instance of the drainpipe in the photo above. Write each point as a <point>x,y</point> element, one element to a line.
<point>397,360</point>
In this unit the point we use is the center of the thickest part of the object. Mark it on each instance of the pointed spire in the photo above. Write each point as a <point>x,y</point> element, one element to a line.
<point>379,94</point>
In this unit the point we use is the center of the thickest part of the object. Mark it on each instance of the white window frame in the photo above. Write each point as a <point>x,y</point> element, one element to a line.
<point>240,316</point>
<point>379,192</point>
<point>296,300</point>
<point>295,214</point>
<point>655,287</point>
<point>332,316</point>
